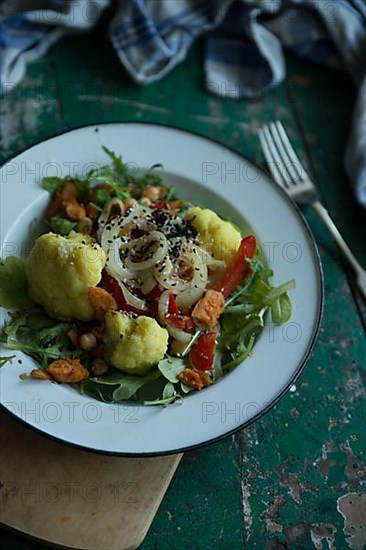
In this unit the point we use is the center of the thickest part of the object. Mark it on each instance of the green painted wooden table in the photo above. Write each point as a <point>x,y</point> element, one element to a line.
<point>284,481</point>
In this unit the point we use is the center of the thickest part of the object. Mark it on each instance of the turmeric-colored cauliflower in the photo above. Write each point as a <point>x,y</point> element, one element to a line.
<point>60,270</point>
<point>219,237</point>
<point>134,345</point>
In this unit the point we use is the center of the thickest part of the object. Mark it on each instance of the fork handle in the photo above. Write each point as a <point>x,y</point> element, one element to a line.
<point>357,268</point>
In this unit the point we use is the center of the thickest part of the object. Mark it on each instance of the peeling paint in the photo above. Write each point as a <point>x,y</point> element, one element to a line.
<point>110,100</point>
<point>352,507</point>
<point>354,387</point>
<point>19,117</point>
<point>321,531</point>
<point>292,483</point>
<point>295,532</point>
<point>249,127</point>
<point>333,422</point>
<point>355,469</point>
<point>324,464</point>
<point>274,527</point>
<point>246,508</point>
<point>215,109</point>
<point>273,510</point>
<point>213,120</point>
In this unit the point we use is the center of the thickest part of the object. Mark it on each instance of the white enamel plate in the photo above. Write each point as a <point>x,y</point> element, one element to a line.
<point>210,174</point>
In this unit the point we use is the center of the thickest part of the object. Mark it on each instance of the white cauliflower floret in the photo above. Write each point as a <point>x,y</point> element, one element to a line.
<point>219,237</point>
<point>134,345</point>
<point>60,270</point>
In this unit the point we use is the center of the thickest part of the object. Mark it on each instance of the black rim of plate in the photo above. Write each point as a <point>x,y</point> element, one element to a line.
<point>315,333</point>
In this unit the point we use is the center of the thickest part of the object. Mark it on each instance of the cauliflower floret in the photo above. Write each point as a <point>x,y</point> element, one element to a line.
<point>219,237</point>
<point>60,270</point>
<point>134,345</point>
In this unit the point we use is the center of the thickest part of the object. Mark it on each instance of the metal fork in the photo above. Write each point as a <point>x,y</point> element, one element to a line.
<point>288,172</point>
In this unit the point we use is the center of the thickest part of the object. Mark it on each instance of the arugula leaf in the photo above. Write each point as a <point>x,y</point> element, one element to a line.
<point>185,388</point>
<point>13,283</point>
<point>171,367</point>
<point>241,357</point>
<point>127,385</point>
<point>120,169</point>
<point>62,226</point>
<point>281,309</point>
<point>52,184</point>
<point>6,359</point>
<point>263,294</point>
<point>37,320</point>
<point>168,391</point>
<point>45,345</point>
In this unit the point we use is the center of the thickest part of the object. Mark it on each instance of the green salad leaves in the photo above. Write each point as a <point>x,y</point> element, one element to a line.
<point>13,283</point>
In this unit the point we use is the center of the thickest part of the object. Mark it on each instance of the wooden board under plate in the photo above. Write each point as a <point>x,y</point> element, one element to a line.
<point>77,499</point>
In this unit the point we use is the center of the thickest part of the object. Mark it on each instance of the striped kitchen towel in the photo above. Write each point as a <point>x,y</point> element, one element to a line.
<point>244,43</point>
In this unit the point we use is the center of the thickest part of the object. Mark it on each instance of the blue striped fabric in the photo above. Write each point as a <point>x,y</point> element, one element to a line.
<point>244,43</point>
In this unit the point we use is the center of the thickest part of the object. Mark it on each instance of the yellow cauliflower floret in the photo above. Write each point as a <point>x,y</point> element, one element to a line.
<point>60,270</point>
<point>219,237</point>
<point>134,345</point>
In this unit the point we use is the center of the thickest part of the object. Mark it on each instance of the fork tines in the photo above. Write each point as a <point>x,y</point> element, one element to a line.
<point>284,164</point>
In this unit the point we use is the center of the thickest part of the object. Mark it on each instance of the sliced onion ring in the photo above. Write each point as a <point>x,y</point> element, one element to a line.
<point>163,307</point>
<point>148,281</point>
<point>157,256</point>
<point>197,285</point>
<point>178,334</point>
<point>103,218</point>
<point>131,299</point>
<point>166,277</point>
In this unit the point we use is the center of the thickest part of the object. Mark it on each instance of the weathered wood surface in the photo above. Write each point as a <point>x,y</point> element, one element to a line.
<point>296,478</point>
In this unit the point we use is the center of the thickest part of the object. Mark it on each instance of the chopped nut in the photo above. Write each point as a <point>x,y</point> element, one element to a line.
<point>196,380</point>
<point>101,301</point>
<point>145,201</point>
<point>151,192</point>
<point>40,374</point>
<point>68,370</point>
<point>99,367</point>
<point>87,341</point>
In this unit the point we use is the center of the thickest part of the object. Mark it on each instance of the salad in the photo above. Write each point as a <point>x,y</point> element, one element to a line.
<point>131,293</point>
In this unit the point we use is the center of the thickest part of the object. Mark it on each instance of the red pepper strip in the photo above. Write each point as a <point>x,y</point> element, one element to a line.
<point>181,322</point>
<point>202,353</point>
<point>111,285</point>
<point>238,268</point>
<point>152,298</point>
<point>173,308</point>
